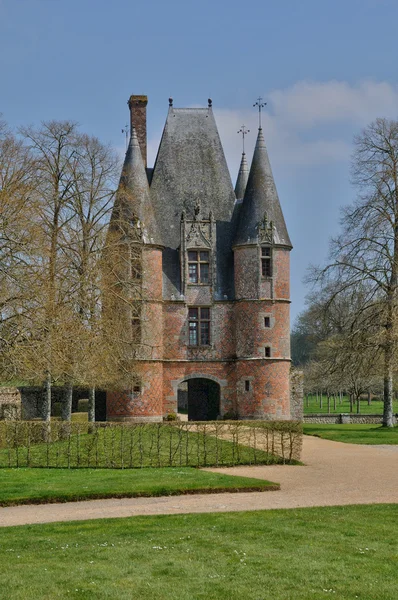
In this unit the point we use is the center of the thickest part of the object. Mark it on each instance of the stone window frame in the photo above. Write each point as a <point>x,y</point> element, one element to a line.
<point>261,320</point>
<point>199,321</point>
<point>198,262</point>
<point>262,350</point>
<point>266,261</point>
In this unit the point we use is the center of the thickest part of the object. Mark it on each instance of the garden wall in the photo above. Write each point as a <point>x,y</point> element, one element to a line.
<point>331,419</point>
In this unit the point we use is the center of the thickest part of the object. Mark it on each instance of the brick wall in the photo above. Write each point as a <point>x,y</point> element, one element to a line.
<point>137,105</point>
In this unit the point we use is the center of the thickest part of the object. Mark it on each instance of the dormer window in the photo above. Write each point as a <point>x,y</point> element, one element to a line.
<point>199,266</point>
<point>266,261</point>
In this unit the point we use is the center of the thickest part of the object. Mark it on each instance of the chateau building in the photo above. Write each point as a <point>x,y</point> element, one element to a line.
<point>211,263</point>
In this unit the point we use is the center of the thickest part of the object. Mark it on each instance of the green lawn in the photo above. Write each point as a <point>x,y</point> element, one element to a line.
<point>312,405</point>
<point>146,445</point>
<point>24,486</point>
<point>354,434</point>
<point>345,553</point>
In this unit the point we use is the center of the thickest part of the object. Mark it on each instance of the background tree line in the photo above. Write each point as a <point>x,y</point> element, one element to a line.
<point>347,337</point>
<point>57,188</point>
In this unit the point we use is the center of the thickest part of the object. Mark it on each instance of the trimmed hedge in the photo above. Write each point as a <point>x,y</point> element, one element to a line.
<point>132,445</point>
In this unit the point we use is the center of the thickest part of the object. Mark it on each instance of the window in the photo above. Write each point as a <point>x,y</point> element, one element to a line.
<point>267,352</point>
<point>136,390</point>
<point>136,330</point>
<point>198,266</point>
<point>136,264</point>
<point>247,385</point>
<point>266,261</point>
<point>199,326</point>
<point>267,321</point>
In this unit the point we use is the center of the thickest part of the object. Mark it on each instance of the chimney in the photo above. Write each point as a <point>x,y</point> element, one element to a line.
<point>137,106</point>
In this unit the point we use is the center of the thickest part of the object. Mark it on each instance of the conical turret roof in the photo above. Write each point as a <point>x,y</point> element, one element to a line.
<point>261,200</point>
<point>243,176</point>
<point>133,206</point>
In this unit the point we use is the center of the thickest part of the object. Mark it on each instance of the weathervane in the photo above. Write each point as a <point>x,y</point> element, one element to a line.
<point>260,105</point>
<point>126,132</point>
<point>244,132</point>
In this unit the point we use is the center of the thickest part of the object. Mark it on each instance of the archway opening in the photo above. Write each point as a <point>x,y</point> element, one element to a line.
<point>199,398</point>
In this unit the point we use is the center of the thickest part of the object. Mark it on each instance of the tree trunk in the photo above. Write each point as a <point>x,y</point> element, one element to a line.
<point>351,401</point>
<point>320,400</point>
<point>328,396</point>
<point>369,398</point>
<point>388,388</point>
<point>47,399</point>
<point>67,404</point>
<point>91,405</point>
<point>359,405</point>
<point>334,402</point>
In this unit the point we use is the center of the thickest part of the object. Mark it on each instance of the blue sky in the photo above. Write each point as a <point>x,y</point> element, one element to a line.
<point>325,67</point>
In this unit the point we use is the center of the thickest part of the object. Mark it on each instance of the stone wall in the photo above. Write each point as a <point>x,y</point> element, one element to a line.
<point>10,404</point>
<point>336,419</point>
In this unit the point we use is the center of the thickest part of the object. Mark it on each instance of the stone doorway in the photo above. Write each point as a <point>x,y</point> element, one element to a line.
<point>199,398</point>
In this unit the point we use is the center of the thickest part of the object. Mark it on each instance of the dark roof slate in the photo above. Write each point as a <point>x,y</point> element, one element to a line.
<point>261,197</point>
<point>132,201</point>
<point>191,169</point>
<point>243,176</point>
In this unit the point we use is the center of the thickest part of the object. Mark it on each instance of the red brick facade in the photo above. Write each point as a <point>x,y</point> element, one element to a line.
<point>251,385</point>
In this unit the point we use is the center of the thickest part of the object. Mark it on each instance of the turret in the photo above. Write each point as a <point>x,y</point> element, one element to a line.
<point>243,176</point>
<point>261,199</point>
<point>137,309</point>
<point>261,269</point>
<point>133,208</point>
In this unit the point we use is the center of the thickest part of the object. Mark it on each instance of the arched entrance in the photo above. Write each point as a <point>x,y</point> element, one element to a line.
<point>199,398</point>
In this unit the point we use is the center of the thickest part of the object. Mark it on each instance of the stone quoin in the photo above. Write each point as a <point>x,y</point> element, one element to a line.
<point>212,267</point>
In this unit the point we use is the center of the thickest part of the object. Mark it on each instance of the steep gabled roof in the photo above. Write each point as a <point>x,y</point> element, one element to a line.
<point>261,198</point>
<point>133,205</point>
<point>191,169</point>
<point>243,176</point>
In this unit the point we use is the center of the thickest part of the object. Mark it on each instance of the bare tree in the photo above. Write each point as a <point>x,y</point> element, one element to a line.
<point>365,255</point>
<point>16,210</point>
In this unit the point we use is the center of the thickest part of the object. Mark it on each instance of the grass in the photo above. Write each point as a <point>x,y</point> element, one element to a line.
<point>28,486</point>
<point>345,553</point>
<point>130,447</point>
<point>354,434</point>
<point>312,405</point>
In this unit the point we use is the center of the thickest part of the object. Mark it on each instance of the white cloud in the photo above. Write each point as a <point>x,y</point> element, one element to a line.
<point>307,104</point>
<point>307,124</point>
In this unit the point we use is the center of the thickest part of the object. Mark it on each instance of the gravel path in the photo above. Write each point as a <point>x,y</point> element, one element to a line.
<point>334,474</point>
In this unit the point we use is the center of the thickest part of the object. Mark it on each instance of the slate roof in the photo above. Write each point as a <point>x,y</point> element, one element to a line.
<point>243,176</point>
<point>190,168</point>
<point>260,197</point>
<point>133,198</point>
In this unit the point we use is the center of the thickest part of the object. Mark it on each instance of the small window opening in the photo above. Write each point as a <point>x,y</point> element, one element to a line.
<point>136,265</point>
<point>267,321</point>
<point>267,351</point>
<point>247,385</point>
<point>266,261</point>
